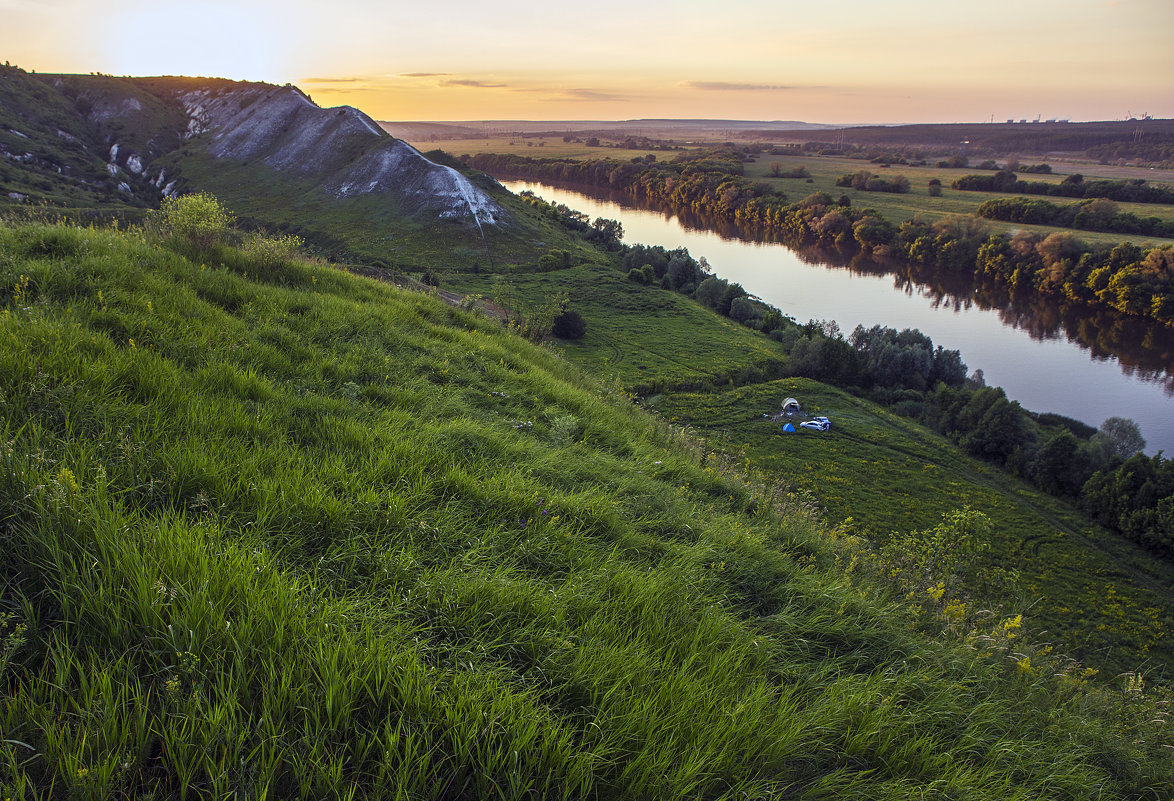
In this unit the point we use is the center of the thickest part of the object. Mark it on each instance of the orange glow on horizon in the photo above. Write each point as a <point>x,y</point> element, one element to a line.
<point>906,61</point>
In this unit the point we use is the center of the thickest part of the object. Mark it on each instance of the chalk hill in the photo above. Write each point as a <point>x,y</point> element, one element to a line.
<point>99,140</point>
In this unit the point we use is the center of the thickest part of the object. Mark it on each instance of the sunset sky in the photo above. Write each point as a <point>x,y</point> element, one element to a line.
<point>849,61</point>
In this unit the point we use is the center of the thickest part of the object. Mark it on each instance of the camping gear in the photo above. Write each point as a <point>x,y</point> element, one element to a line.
<point>787,427</point>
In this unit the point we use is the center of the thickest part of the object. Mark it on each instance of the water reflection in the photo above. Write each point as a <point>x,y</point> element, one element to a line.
<point>1144,349</point>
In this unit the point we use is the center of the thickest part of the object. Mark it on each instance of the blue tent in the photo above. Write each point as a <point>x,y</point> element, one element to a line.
<point>789,428</point>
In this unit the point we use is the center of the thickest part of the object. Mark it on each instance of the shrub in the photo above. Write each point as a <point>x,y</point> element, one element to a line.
<point>198,219</point>
<point>569,325</point>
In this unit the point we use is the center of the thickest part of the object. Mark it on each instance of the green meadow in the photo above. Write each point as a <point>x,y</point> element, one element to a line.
<point>645,339</point>
<point>896,208</point>
<point>824,171</point>
<point>1088,591</point>
<point>272,530</point>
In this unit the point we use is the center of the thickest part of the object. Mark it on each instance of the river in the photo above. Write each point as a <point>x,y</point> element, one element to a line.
<point>1121,368</point>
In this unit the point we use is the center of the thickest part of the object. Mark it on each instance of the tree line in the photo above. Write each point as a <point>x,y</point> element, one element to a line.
<point>1126,278</point>
<point>868,182</point>
<point>1100,214</point>
<point>1134,190</point>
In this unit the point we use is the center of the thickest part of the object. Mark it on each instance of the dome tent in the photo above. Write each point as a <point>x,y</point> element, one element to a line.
<point>787,427</point>
<point>791,406</point>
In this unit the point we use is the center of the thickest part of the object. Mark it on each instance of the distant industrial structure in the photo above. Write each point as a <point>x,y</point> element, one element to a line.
<point>1013,121</point>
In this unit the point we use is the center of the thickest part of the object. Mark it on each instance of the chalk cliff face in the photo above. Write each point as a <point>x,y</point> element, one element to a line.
<point>341,149</point>
<point>95,139</point>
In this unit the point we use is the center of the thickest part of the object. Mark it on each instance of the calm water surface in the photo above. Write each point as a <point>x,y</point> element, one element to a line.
<point>1023,351</point>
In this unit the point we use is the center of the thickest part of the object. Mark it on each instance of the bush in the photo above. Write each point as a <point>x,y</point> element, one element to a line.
<point>569,325</point>
<point>198,219</point>
<point>743,310</point>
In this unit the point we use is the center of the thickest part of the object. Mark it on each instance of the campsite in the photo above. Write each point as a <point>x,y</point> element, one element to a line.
<point>791,410</point>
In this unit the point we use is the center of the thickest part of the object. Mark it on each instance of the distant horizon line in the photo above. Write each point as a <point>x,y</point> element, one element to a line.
<point>747,122</point>
<point>708,120</point>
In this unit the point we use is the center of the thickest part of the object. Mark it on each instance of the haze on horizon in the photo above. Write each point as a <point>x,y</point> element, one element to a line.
<point>854,61</point>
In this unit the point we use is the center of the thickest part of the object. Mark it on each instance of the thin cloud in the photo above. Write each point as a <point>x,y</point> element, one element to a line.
<point>723,86</point>
<point>473,84</point>
<point>424,74</point>
<point>593,95</point>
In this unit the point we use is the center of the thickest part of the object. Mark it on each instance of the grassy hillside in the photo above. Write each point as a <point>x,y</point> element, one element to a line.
<point>1096,595</point>
<point>101,147</point>
<point>369,228</point>
<point>275,530</point>
<point>646,339</point>
<point>51,154</point>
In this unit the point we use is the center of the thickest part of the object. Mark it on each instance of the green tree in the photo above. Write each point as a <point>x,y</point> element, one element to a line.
<point>709,292</point>
<point>742,310</point>
<point>942,555</point>
<point>1119,436</point>
<point>731,293</point>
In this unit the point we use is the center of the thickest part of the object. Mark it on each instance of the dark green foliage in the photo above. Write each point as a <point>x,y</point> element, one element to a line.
<point>555,260</point>
<point>905,359</point>
<point>865,181</point>
<point>1131,191</point>
<point>1090,215</point>
<point>1136,498</point>
<point>683,271</point>
<point>569,325</point>
<point>710,291</point>
<point>1062,464</point>
<point>730,293</point>
<point>743,310</point>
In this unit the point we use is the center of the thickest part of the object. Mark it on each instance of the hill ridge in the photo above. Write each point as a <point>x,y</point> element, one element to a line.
<point>131,137</point>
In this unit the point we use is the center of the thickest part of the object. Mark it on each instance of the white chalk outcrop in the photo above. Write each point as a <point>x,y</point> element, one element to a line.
<point>341,149</point>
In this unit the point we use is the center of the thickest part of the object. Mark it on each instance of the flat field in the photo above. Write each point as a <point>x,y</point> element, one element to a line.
<point>825,170</point>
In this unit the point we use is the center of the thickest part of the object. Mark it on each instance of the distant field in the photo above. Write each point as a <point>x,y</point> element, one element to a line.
<point>536,147</point>
<point>825,170</point>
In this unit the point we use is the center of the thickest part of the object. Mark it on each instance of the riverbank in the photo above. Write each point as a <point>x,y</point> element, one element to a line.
<point>1129,279</point>
<point>1048,360</point>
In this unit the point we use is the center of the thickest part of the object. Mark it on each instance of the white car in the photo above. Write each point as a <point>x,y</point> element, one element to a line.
<point>818,424</point>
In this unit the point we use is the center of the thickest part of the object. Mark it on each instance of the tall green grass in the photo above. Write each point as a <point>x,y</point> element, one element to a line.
<point>1099,597</point>
<point>271,531</point>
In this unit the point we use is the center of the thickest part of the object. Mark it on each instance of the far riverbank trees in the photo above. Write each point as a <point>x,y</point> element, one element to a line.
<point>1127,278</point>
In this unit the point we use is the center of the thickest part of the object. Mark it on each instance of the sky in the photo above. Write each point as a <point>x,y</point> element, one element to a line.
<point>852,61</point>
